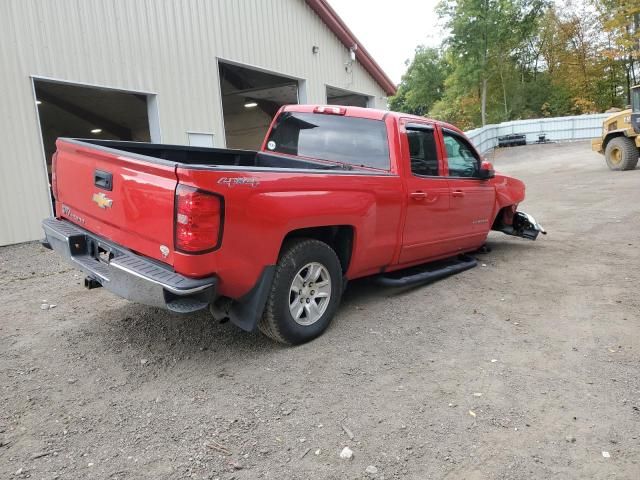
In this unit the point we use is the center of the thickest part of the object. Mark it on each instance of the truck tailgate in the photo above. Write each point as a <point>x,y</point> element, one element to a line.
<point>122,197</point>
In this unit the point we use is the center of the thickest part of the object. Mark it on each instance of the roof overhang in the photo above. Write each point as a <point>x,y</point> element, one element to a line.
<point>349,40</point>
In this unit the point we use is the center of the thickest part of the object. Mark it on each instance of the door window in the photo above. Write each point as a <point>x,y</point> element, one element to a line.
<point>422,152</point>
<point>462,158</point>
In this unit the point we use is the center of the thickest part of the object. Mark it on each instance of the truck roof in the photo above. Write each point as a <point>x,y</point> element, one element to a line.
<point>370,113</point>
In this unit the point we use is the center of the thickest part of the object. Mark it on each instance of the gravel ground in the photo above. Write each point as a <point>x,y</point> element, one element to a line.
<point>523,368</point>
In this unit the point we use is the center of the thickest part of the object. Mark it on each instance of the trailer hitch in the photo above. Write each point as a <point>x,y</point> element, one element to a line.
<point>90,283</point>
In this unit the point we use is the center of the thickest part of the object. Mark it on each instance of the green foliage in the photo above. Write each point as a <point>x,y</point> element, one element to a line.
<point>621,19</point>
<point>513,59</point>
<point>423,83</point>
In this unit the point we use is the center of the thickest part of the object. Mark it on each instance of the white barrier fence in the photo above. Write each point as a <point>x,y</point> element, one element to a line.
<point>580,127</point>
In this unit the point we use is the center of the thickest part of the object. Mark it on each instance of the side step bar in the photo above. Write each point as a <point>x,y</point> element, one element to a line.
<point>464,262</point>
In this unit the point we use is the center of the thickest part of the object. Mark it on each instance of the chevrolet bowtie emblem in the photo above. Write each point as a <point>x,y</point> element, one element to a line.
<point>102,200</point>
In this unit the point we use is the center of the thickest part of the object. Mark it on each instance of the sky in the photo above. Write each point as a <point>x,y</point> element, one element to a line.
<point>391,30</point>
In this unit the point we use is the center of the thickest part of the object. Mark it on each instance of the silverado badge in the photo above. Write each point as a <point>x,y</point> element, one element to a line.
<point>102,200</point>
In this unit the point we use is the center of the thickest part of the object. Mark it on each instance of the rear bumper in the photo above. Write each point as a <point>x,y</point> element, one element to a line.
<point>125,273</point>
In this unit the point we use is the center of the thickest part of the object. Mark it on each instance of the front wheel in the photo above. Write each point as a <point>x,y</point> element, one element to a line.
<point>621,154</point>
<point>305,293</point>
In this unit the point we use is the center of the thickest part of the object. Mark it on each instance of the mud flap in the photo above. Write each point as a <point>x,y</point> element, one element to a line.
<point>246,312</point>
<point>524,225</point>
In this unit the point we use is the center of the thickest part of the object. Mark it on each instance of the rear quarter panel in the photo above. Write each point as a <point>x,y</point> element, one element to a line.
<point>262,207</point>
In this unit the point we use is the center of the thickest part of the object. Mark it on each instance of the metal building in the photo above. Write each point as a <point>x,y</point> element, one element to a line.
<point>198,72</point>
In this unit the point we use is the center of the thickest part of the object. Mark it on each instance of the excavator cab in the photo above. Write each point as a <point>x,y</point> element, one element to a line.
<point>635,109</point>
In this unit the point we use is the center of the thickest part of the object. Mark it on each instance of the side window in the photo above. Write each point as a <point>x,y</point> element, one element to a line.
<point>422,152</point>
<point>462,158</point>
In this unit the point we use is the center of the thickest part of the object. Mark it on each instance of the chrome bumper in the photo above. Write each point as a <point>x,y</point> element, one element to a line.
<point>126,274</point>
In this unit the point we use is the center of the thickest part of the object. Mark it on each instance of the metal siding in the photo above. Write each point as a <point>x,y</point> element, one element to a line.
<point>168,47</point>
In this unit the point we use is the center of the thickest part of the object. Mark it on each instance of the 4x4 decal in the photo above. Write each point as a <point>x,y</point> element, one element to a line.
<point>233,181</point>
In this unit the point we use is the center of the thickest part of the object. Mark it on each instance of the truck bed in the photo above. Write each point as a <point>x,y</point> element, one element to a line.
<point>125,193</point>
<point>212,157</point>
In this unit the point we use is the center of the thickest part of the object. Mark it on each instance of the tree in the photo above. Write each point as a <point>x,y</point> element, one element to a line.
<point>513,59</point>
<point>577,53</point>
<point>423,83</point>
<point>484,34</point>
<point>621,19</point>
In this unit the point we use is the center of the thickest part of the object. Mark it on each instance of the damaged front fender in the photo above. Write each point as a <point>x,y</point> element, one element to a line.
<point>523,225</point>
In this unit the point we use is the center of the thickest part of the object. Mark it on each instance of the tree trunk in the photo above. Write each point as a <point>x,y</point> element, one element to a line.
<point>504,96</point>
<point>485,39</point>
<point>628,72</point>
<point>484,102</point>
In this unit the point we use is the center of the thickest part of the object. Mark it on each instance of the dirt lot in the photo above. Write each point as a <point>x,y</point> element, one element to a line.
<point>526,367</point>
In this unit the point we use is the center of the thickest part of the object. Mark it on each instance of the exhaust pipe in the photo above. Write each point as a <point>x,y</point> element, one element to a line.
<point>91,283</point>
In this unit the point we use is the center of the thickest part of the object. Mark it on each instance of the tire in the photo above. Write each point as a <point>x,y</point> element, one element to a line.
<point>301,260</point>
<point>621,154</point>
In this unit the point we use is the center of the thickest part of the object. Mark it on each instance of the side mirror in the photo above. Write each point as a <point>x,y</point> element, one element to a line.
<point>486,171</point>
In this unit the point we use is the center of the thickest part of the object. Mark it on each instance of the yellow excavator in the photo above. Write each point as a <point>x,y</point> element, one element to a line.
<point>620,141</point>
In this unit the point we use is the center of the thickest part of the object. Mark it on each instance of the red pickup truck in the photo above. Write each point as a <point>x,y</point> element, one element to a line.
<point>269,239</point>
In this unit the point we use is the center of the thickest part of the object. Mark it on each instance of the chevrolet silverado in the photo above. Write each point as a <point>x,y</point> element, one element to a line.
<point>270,238</point>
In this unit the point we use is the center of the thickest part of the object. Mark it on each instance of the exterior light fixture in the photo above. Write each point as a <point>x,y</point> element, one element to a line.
<point>96,130</point>
<point>38,102</point>
<point>352,53</point>
<point>250,104</point>
<point>315,49</point>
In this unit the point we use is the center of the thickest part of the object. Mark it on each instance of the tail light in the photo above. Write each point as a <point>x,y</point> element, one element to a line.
<point>198,222</point>
<point>54,181</point>
<point>329,110</point>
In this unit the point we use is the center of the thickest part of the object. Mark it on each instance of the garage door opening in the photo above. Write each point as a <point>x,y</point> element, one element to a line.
<point>337,96</point>
<point>250,99</point>
<point>70,110</point>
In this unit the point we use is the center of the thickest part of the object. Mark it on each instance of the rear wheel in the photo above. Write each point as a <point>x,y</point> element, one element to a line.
<point>305,293</point>
<point>621,154</point>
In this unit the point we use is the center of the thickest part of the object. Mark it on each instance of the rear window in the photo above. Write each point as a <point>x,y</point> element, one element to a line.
<point>355,141</point>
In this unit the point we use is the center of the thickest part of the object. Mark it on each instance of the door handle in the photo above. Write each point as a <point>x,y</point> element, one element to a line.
<point>418,195</point>
<point>457,193</point>
<point>102,179</point>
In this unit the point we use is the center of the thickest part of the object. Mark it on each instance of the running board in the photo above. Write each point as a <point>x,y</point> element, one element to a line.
<point>462,263</point>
